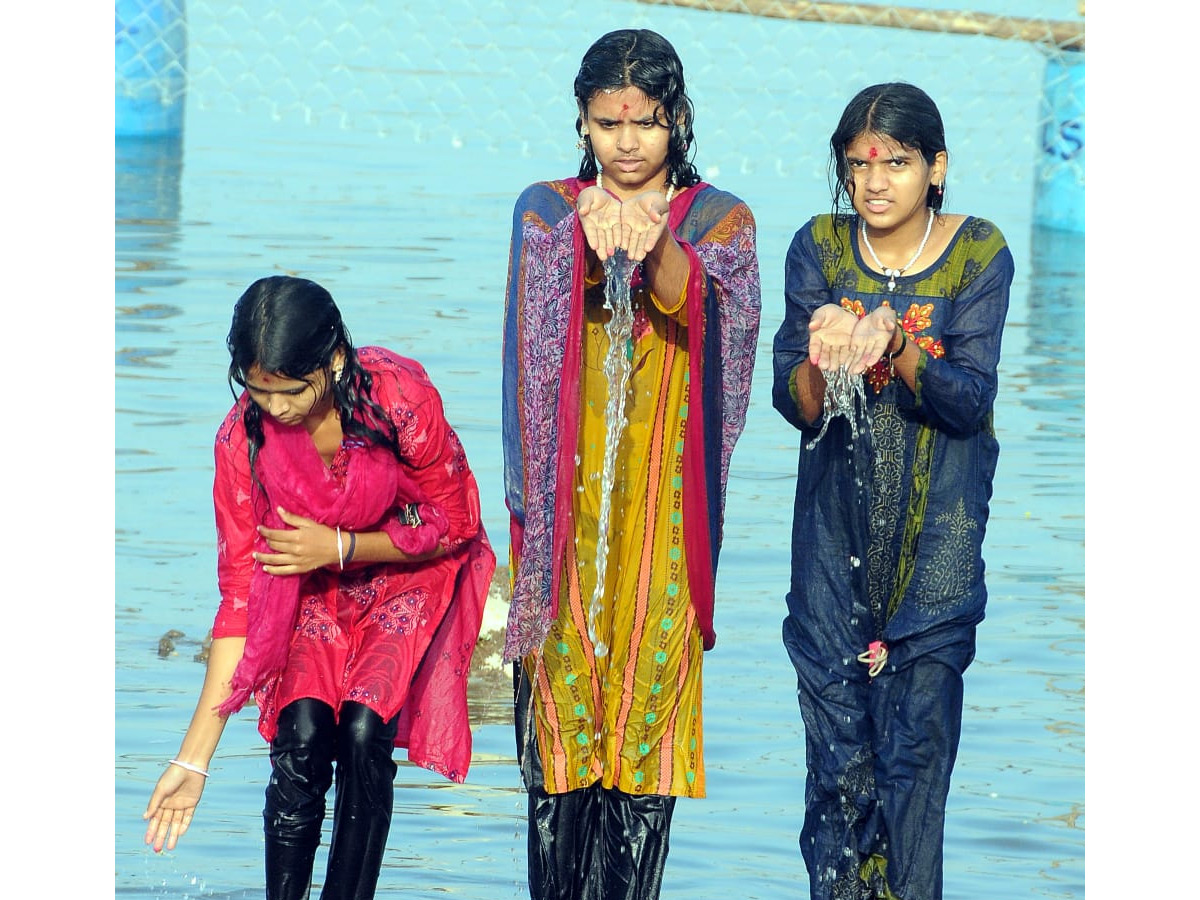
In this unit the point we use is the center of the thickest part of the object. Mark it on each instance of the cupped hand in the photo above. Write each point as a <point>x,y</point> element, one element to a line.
<point>873,336</point>
<point>171,807</point>
<point>600,215</point>
<point>305,546</point>
<point>643,221</point>
<point>830,338</point>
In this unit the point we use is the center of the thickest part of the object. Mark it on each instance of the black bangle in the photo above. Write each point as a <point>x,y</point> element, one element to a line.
<point>350,552</point>
<point>900,349</point>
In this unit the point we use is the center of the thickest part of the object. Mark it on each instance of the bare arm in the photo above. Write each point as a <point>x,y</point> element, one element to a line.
<point>307,545</point>
<point>667,269</point>
<point>809,382</point>
<point>177,793</point>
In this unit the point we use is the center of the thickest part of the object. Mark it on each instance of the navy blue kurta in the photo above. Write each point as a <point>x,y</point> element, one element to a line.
<point>887,542</point>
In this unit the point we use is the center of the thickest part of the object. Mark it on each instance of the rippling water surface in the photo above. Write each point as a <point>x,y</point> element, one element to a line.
<point>412,240</point>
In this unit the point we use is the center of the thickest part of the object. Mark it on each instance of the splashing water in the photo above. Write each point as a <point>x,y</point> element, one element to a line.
<point>618,270</point>
<point>842,390</point>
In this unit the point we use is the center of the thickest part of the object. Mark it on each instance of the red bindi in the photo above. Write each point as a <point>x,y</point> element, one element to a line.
<point>874,153</point>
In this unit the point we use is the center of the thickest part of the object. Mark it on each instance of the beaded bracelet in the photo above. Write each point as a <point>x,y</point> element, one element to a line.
<point>188,766</point>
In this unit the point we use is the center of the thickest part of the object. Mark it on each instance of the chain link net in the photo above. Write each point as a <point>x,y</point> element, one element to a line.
<point>387,67</point>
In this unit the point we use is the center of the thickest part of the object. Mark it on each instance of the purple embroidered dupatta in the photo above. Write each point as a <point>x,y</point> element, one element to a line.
<point>543,330</point>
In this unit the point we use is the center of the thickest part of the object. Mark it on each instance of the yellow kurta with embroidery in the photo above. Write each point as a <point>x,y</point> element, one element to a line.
<point>635,726</point>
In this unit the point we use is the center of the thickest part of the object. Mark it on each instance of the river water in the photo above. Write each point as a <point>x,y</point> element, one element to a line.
<point>409,230</point>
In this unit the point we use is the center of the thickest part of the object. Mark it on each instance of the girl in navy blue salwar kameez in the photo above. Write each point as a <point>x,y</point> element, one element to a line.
<point>892,496</point>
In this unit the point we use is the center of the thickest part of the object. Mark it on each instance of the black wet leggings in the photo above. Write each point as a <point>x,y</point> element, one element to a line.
<point>594,843</point>
<point>308,742</point>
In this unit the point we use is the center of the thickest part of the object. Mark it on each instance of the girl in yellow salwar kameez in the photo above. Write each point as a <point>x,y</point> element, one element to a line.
<point>642,703</point>
<point>608,706</point>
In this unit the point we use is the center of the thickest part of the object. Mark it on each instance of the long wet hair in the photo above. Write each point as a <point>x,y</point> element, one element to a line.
<point>900,111</point>
<point>645,60</point>
<point>291,327</point>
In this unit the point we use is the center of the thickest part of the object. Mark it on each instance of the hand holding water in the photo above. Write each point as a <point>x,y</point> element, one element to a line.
<point>634,225</point>
<point>643,221</point>
<point>600,215</point>
<point>872,338</point>
<point>830,338</point>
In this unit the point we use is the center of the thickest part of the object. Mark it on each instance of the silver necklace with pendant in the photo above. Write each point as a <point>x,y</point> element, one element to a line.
<point>893,274</point>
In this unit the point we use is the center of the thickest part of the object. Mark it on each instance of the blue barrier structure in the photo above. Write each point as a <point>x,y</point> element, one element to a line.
<point>151,67</point>
<point>1059,198</point>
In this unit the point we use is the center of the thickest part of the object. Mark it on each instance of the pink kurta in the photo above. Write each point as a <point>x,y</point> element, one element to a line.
<point>396,637</point>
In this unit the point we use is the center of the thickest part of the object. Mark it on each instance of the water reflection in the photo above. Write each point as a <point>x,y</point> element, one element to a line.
<point>147,201</point>
<point>1056,318</point>
<point>147,184</point>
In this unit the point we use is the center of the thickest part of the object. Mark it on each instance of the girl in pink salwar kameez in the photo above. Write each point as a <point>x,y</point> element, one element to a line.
<point>353,569</point>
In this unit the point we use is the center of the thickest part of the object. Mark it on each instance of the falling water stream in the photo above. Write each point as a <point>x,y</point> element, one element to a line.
<point>841,391</point>
<point>617,363</point>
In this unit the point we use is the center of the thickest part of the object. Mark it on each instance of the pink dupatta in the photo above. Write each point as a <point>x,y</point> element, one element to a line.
<point>293,475</point>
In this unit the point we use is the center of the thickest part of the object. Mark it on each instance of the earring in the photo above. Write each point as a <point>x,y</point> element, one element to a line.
<point>337,374</point>
<point>581,144</point>
<point>939,188</point>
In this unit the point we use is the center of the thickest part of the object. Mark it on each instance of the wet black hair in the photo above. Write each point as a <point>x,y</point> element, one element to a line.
<point>645,60</point>
<point>900,111</point>
<point>291,327</point>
